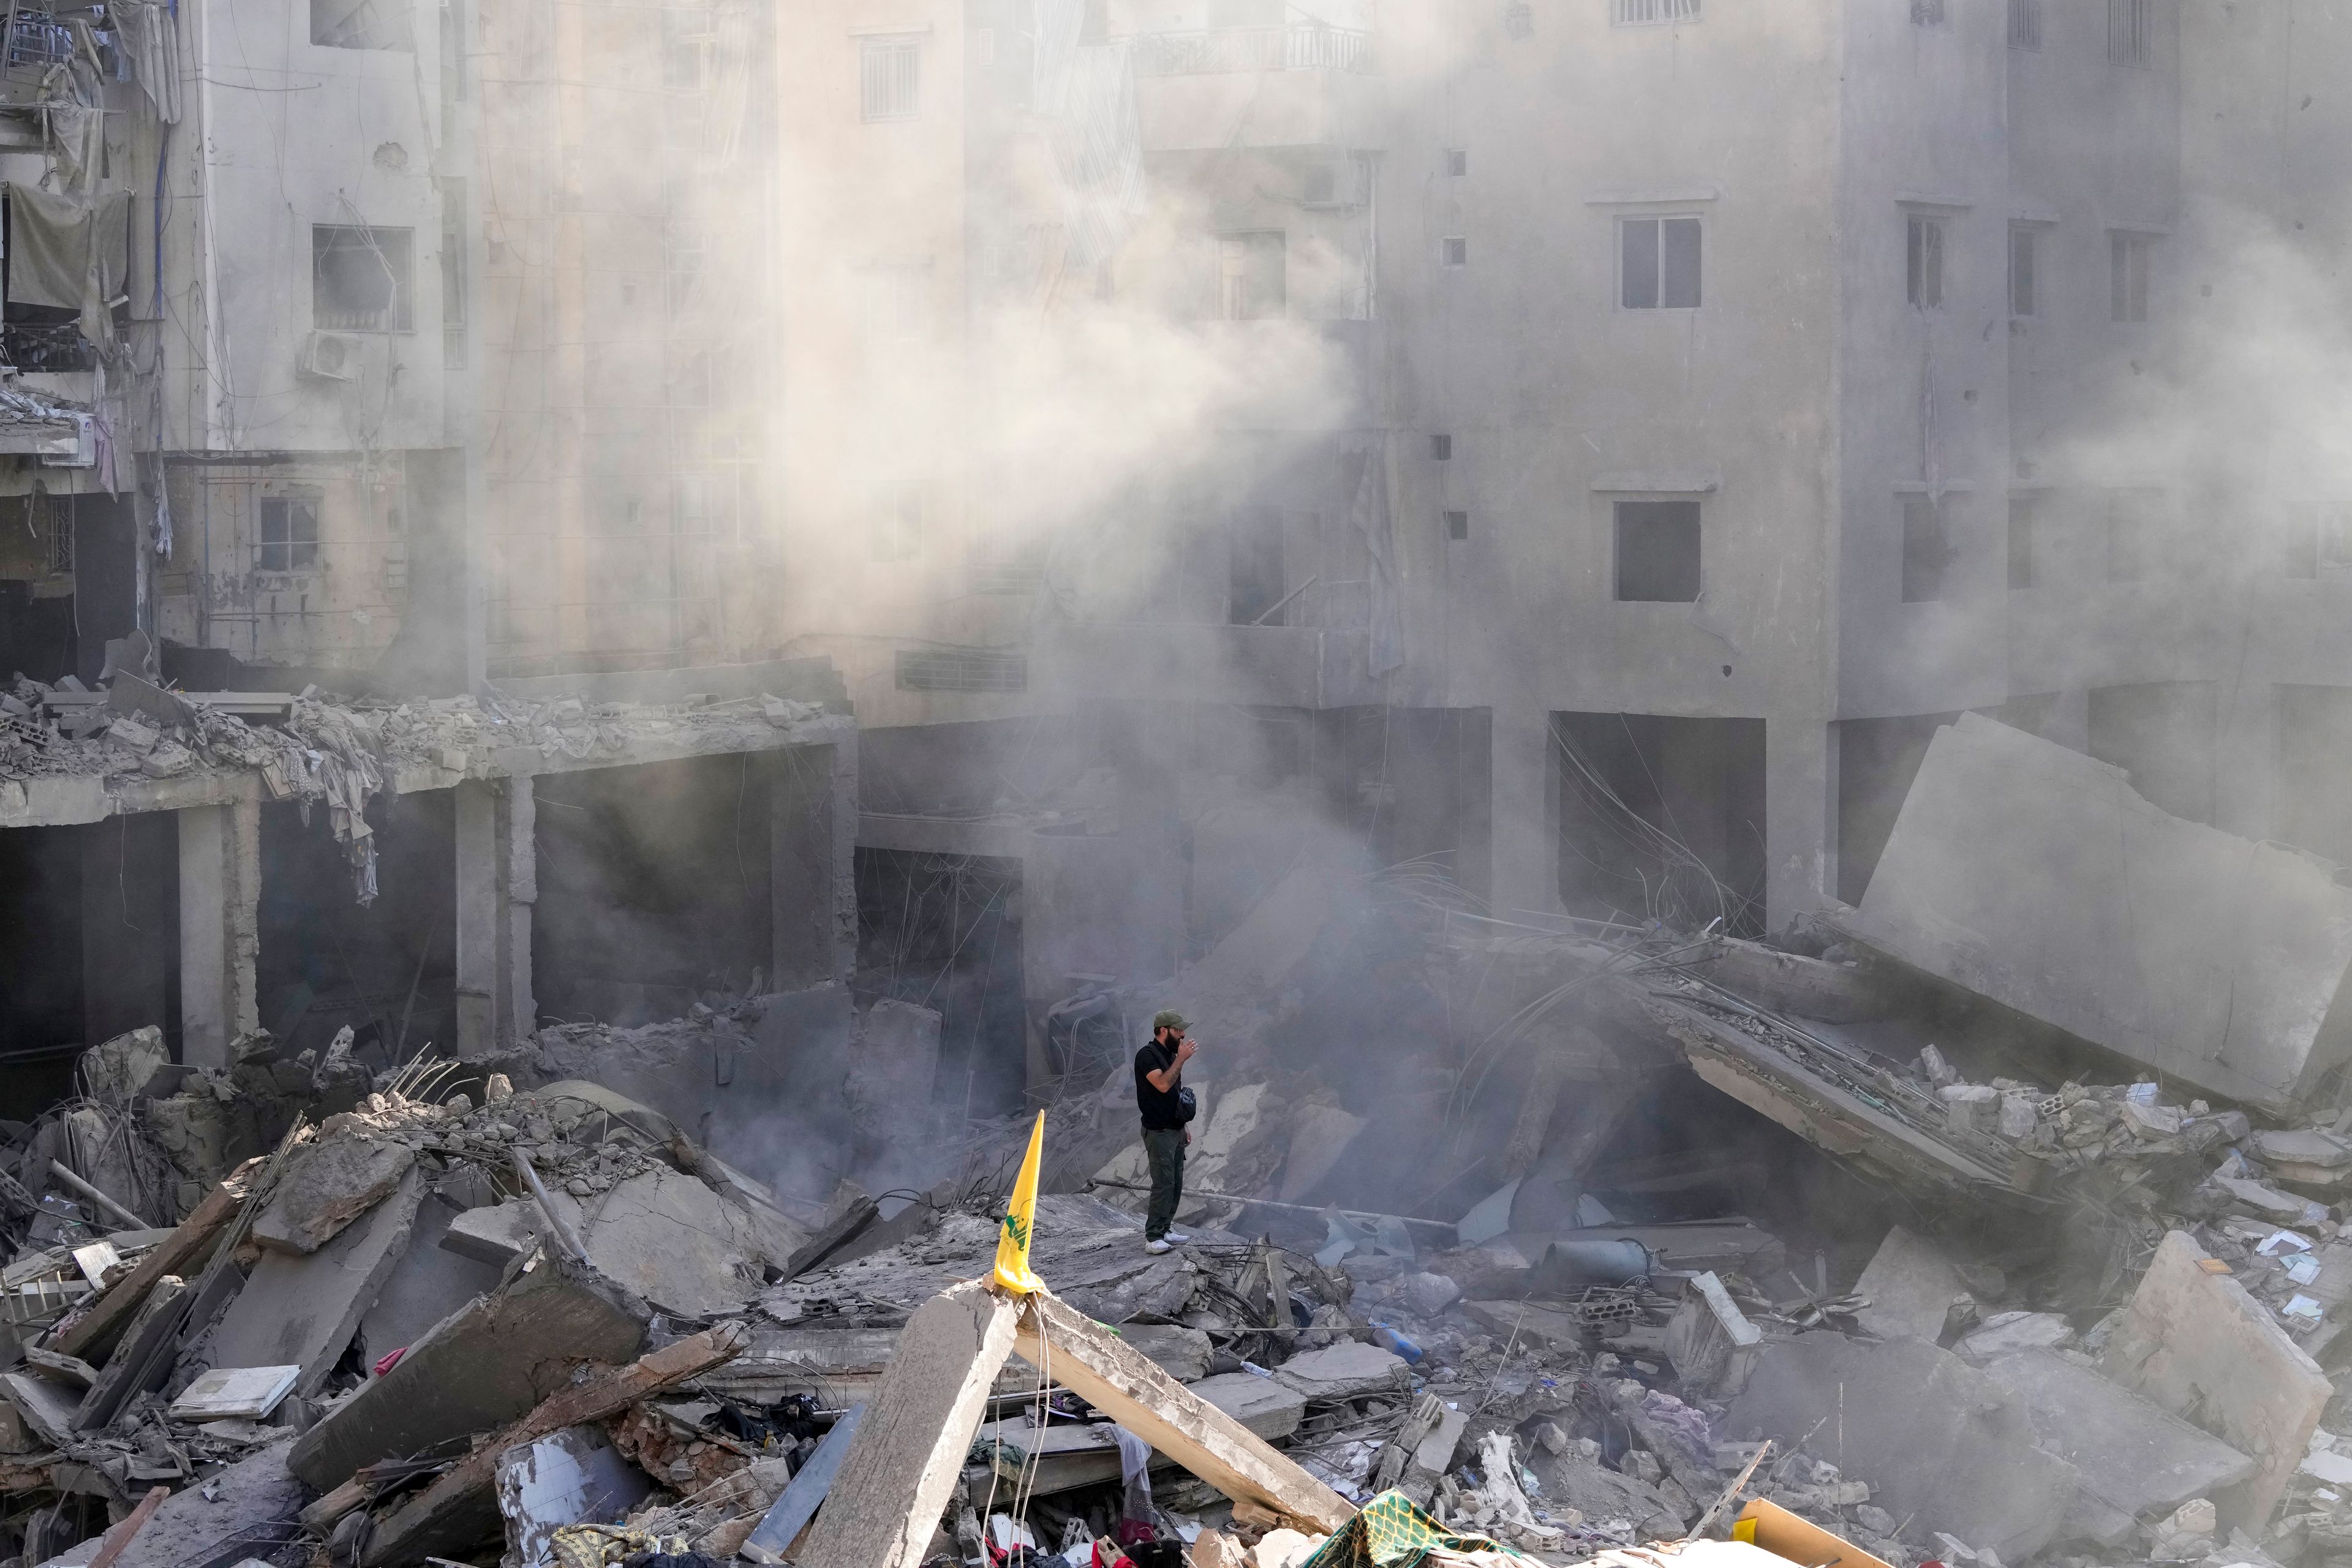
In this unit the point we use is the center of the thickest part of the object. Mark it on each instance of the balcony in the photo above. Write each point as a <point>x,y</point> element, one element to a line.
<point>1257,86</point>
<point>1228,49</point>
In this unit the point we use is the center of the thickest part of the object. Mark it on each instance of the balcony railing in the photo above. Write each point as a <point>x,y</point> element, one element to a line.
<point>1303,48</point>
<point>47,347</point>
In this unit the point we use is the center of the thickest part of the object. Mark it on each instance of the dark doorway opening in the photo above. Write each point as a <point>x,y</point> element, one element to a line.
<point>41,985</point>
<point>1663,818</point>
<point>653,888</point>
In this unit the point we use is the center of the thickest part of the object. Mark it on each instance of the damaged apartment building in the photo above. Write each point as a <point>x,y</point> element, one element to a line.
<point>380,433</point>
<point>1662,415</point>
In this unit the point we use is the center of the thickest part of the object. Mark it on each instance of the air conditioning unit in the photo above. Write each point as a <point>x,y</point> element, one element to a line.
<point>333,356</point>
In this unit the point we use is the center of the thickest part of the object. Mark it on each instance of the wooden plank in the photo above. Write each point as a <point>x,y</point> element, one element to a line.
<point>97,1328</point>
<point>1116,1379</point>
<point>461,1501</point>
<point>117,1539</point>
<point>910,1444</point>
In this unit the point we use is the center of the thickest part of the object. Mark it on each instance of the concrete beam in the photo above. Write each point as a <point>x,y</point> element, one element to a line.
<point>220,937</point>
<point>496,884</point>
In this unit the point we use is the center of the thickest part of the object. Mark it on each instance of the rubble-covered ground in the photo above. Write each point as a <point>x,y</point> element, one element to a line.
<point>1553,1231</point>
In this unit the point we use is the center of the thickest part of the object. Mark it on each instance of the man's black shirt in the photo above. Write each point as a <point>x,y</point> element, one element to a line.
<point>1161,1114</point>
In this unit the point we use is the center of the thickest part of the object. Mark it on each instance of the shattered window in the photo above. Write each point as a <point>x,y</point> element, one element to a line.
<point>60,530</point>
<point>362,24</point>
<point>1647,13</point>
<point>687,36</point>
<point>891,77</point>
<point>962,670</point>
<point>290,533</point>
<point>1658,263</point>
<point>360,279</point>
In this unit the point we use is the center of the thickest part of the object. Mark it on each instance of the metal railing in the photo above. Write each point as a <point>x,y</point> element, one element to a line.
<point>1224,49</point>
<point>49,347</point>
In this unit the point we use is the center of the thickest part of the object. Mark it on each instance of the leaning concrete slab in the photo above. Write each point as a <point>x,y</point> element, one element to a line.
<point>2195,1342</point>
<point>2035,875</point>
<point>1267,1408</point>
<point>1348,1370</point>
<point>2135,1461</point>
<point>432,1282</point>
<point>489,1363</point>
<point>1911,1286</point>
<point>911,1444</point>
<point>1938,1442</point>
<point>301,1311</point>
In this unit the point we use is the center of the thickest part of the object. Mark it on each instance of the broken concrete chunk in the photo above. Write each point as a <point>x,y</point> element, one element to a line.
<point>2304,1146</point>
<point>1937,1440</point>
<point>489,1364</point>
<point>1346,1371</point>
<point>252,1502</point>
<point>668,1238</point>
<point>123,1065</point>
<point>1432,1457</point>
<point>495,1234</point>
<point>2133,1459</point>
<point>2194,1342</point>
<point>2151,1122</point>
<point>2260,1198</point>
<point>1430,1294</point>
<point>1182,1353</point>
<point>572,1477</point>
<point>1911,1285</point>
<point>1970,1107</point>
<point>326,1186</point>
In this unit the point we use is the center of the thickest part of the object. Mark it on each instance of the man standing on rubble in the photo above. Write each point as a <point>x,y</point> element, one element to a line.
<point>1166,1105</point>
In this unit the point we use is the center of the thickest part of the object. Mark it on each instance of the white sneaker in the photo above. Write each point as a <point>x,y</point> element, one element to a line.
<point>1178,1235</point>
<point>1159,1246</point>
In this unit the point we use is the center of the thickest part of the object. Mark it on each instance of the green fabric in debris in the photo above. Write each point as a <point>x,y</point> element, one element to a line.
<point>1392,1534</point>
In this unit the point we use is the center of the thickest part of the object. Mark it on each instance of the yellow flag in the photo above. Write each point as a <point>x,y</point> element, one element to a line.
<point>1020,1218</point>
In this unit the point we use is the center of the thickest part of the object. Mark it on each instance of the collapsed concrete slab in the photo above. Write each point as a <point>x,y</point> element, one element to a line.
<point>1269,1409</point>
<point>495,1234</point>
<point>301,1310</point>
<point>329,1184</point>
<point>2135,1460</point>
<point>2037,877</point>
<point>488,1364</point>
<point>2193,1342</point>
<point>1938,1440</point>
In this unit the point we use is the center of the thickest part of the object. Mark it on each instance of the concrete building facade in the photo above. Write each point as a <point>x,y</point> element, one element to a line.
<point>1661,416</point>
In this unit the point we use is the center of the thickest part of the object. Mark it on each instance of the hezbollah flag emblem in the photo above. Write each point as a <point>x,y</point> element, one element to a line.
<point>1020,1220</point>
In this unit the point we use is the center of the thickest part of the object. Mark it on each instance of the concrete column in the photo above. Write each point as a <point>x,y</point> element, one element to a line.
<point>1526,819</point>
<point>220,928</point>
<point>497,883</point>
<point>812,846</point>
<point>1799,817</point>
